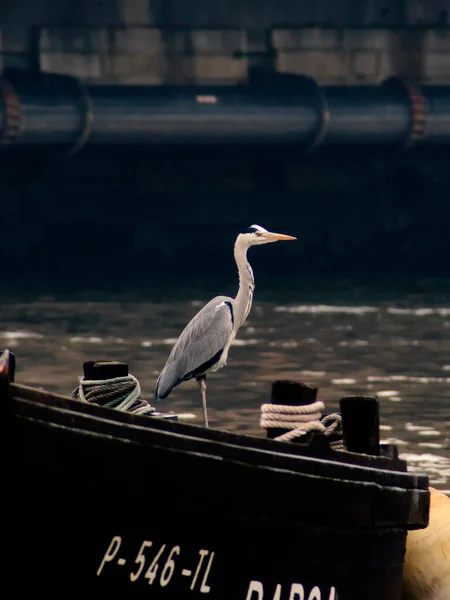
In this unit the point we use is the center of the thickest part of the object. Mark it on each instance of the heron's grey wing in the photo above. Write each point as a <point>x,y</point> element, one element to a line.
<point>199,345</point>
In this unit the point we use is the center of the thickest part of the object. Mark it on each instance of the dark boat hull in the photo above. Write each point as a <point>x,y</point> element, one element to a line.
<point>109,503</point>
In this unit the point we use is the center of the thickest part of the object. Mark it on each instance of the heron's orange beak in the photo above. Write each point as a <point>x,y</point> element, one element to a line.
<point>275,237</point>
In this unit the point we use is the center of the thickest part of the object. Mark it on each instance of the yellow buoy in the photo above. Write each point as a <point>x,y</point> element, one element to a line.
<point>426,574</point>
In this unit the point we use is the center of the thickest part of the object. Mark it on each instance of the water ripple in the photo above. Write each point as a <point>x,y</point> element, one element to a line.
<point>327,308</point>
<point>418,312</point>
<point>20,335</point>
<point>363,310</point>
<point>436,467</point>
<point>407,378</point>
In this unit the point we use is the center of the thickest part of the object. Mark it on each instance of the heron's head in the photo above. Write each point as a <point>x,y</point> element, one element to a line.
<point>256,235</point>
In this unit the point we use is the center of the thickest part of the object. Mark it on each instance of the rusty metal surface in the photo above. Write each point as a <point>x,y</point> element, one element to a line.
<point>418,110</point>
<point>10,120</point>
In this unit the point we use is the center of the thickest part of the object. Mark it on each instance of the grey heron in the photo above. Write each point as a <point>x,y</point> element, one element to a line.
<point>204,343</point>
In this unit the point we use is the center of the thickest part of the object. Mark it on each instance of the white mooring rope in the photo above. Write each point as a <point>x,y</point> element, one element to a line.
<point>299,420</point>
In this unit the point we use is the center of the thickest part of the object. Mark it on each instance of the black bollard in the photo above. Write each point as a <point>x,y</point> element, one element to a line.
<point>96,370</point>
<point>100,370</point>
<point>361,424</point>
<point>291,393</point>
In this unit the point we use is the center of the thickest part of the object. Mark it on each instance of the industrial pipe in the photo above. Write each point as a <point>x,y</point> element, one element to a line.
<point>41,108</point>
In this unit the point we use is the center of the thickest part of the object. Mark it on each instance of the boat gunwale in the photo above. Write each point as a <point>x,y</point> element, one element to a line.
<point>143,426</point>
<point>299,448</point>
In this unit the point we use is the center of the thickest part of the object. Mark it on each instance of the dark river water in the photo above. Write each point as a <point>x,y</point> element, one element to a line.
<point>392,345</point>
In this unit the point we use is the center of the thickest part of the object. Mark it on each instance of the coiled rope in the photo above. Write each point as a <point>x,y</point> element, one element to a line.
<point>300,420</point>
<point>121,393</point>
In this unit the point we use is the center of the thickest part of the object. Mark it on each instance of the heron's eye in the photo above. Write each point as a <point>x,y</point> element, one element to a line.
<point>258,233</point>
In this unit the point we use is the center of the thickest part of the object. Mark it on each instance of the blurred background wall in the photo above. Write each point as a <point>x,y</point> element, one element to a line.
<point>138,211</point>
<point>174,41</point>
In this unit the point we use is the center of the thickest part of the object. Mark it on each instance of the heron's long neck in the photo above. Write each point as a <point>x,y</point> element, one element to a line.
<point>243,300</point>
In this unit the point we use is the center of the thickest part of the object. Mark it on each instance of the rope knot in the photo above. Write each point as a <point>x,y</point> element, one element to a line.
<point>121,393</point>
<point>299,420</point>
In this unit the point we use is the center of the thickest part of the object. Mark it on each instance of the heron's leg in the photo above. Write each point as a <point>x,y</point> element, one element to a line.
<point>202,383</point>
